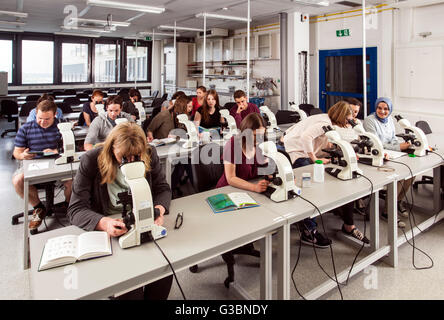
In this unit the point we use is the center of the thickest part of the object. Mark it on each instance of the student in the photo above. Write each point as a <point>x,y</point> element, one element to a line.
<point>199,99</point>
<point>381,124</point>
<point>99,181</point>
<point>189,107</point>
<point>356,105</point>
<point>33,112</point>
<point>304,142</point>
<point>39,135</point>
<point>167,105</point>
<point>208,115</point>
<point>162,124</point>
<point>90,111</point>
<point>129,107</point>
<point>104,123</point>
<point>242,108</point>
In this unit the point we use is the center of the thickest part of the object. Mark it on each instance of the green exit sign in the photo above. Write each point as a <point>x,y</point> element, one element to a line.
<point>148,38</point>
<point>343,33</point>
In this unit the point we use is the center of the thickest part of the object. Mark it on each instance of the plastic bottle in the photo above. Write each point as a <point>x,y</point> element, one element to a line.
<point>318,171</point>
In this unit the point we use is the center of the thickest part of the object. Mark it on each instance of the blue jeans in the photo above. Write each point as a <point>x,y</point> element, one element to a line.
<point>308,224</point>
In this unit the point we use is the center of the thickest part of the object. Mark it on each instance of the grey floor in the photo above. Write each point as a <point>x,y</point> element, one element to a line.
<point>377,282</point>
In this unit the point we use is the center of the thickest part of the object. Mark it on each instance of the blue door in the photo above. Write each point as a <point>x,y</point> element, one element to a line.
<point>340,76</point>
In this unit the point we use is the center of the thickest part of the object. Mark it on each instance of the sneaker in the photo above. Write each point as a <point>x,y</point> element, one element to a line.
<point>384,216</point>
<point>402,210</point>
<point>355,233</point>
<point>37,216</point>
<point>316,238</point>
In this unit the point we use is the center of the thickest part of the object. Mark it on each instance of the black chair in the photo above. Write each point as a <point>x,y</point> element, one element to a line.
<point>72,101</point>
<point>33,97</point>
<point>123,90</point>
<point>112,90</point>
<point>229,105</point>
<point>10,110</point>
<point>155,94</point>
<point>66,108</point>
<point>164,97</point>
<point>58,93</point>
<point>306,107</point>
<point>286,116</point>
<point>157,106</point>
<point>125,96</point>
<point>105,95</point>
<point>315,111</point>
<point>50,207</point>
<point>424,126</point>
<point>82,96</point>
<point>69,92</point>
<point>26,108</point>
<point>89,92</point>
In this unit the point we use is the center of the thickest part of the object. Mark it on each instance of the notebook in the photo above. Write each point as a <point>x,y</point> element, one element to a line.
<point>63,250</point>
<point>394,154</point>
<point>162,142</point>
<point>232,201</point>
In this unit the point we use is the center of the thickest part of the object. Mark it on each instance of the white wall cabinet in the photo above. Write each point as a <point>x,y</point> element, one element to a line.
<point>228,49</point>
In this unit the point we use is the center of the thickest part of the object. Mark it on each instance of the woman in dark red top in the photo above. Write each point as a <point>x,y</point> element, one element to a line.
<point>199,100</point>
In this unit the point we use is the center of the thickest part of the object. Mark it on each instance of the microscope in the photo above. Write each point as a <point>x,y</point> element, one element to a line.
<point>121,120</point>
<point>100,108</point>
<point>140,220</point>
<point>282,186</point>
<point>69,146</point>
<point>343,157</point>
<point>292,107</point>
<point>230,125</point>
<point>415,135</point>
<point>269,118</point>
<point>370,148</point>
<point>142,113</point>
<point>193,139</point>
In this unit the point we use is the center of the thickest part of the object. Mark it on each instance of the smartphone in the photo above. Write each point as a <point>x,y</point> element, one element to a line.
<point>38,153</point>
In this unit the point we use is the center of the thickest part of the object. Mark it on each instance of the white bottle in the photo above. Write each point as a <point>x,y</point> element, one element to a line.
<point>318,171</point>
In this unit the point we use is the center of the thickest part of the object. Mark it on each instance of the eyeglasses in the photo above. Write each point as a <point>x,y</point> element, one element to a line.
<point>179,220</point>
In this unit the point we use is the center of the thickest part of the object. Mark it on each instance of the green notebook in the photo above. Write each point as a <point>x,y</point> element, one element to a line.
<point>228,202</point>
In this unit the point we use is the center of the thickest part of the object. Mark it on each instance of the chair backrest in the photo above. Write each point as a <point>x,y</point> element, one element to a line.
<point>26,108</point>
<point>155,94</point>
<point>125,96</point>
<point>65,107</point>
<point>89,91</point>
<point>315,111</point>
<point>123,90</point>
<point>58,93</point>
<point>69,92</point>
<point>82,95</point>
<point>157,106</point>
<point>32,97</point>
<point>306,107</point>
<point>229,105</point>
<point>164,97</point>
<point>9,108</point>
<point>72,101</point>
<point>206,176</point>
<point>424,126</point>
<point>286,116</point>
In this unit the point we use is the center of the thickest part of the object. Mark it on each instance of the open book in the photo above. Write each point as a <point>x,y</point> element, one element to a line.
<point>162,142</point>
<point>394,154</point>
<point>228,202</point>
<point>63,250</point>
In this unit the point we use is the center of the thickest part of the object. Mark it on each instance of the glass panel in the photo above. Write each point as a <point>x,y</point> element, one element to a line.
<point>6,57</point>
<point>105,62</point>
<point>344,73</point>
<point>37,61</point>
<point>134,70</point>
<point>74,62</point>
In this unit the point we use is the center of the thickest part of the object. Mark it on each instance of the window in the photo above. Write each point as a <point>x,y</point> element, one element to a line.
<point>106,58</point>
<point>74,62</point>
<point>6,58</point>
<point>136,63</point>
<point>37,61</point>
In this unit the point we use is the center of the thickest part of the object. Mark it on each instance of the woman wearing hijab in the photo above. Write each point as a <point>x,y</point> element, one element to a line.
<point>381,124</point>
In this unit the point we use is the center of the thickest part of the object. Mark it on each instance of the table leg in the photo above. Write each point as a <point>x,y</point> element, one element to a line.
<point>25,227</point>
<point>283,262</point>
<point>266,268</point>
<point>168,170</point>
<point>374,222</point>
<point>437,200</point>
<point>392,231</point>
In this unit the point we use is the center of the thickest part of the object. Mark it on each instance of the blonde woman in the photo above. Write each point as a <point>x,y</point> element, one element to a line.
<point>99,181</point>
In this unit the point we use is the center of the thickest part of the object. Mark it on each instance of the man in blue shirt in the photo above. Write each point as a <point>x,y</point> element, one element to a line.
<point>39,135</point>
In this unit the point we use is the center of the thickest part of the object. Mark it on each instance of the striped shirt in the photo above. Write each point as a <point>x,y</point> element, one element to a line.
<point>31,135</point>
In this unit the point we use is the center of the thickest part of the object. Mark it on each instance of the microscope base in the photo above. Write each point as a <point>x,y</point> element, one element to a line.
<point>277,196</point>
<point>64,159</point>
<point>336,172</point>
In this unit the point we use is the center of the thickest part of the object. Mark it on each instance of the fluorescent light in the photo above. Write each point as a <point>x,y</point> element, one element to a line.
<point>87,29</point>
<point>15,14</point>
<point>324,3</point>
<point>179,28</point>
<point>13,23</point>
<point>220,16</point>
<point>124,6</point>
<point>162,34</point>
<point>77,34</point>
<point>104,22</point>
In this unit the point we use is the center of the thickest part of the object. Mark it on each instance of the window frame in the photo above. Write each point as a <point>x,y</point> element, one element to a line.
<point>141,43</point>
<point>75,40</point>
<point>12,37</point>
<point>117,42</point>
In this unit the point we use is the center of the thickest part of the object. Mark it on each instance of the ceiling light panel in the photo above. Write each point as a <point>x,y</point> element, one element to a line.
<point>125,6</point>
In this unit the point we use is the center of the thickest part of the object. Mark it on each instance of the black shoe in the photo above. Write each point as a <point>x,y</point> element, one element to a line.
<point>402,210</point>
<point>316,238</point>
<point>355,233</point>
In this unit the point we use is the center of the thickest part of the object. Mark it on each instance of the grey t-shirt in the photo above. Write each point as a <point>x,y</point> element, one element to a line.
<point>119,185</point>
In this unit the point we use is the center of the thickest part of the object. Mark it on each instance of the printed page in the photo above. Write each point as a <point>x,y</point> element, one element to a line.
<point>394,154</point>
<point>93,243</point>
<point>242,199</point>
<point>59,248</point>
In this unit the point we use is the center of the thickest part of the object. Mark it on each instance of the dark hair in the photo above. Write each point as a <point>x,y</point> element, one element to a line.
<point>114,100</point>
<point>202,88</point>
<point>239,94</point>
<point>205,111</point>
<point>97,92</point>
<point>135,93</point>
<point>353,101</point>
<point>47,105</point>
<point>180,107</point>
<point>177,94</point>
<point>253,121</point>
<point>45,96</point>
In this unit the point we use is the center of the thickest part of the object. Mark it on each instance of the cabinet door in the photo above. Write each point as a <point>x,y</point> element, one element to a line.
<point>199,50</point>
<point>264,46</point>
<point>238,49</point>
<point>228,49</point>
<point>253,47</point>
<point>217,50</point>
<point>209,51</point>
